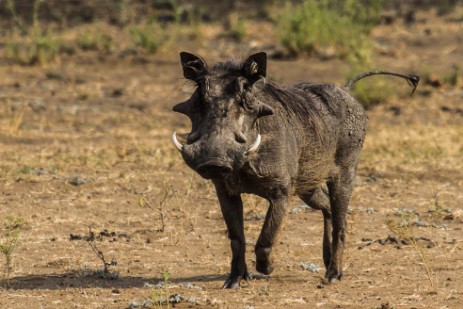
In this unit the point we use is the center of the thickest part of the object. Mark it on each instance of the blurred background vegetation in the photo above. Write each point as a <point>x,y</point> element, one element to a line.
<point>38,32</point>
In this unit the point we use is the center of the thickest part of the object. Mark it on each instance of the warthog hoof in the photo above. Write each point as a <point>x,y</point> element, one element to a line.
<point>331,277</point>
<point>263,263</point>
<point>264,267</point>
<point>233,281</point>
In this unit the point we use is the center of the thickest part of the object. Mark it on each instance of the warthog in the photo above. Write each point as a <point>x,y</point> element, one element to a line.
<point>251,135</point>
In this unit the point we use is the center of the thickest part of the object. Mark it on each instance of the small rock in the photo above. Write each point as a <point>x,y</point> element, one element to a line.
<point>193,300</point>
<point>190,285</point>
<point>55,75</point>
<point>298,209</point>
<point>396,110</point>
<point>37,105</point>
<point>76,180</point>
<point>75,237</point>
<point>312,267</point>
<point>420,223</point>
<point>141,304</point>
<point>176,298</point>
<point>434,81</point>
<point>326,53</point>
<point>117,92</point>
<point>256,217</point>
<point>148,285</point>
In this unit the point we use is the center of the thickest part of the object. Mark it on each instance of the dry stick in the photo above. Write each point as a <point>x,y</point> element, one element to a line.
<point>168,193</point>
<point>419,249</point>
<point>99,253</point>
<point>159,210</point>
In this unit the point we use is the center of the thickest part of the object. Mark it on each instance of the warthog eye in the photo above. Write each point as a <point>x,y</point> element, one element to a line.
<point>242,85</point>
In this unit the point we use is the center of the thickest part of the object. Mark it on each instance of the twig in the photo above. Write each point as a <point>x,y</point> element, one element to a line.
<point>91,242</point>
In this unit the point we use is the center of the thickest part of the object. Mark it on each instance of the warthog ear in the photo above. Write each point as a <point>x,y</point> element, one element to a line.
<point>255,66</point>
<point>193,66</point>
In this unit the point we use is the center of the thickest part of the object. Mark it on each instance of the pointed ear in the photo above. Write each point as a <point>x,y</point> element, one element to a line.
<point>193,66</point>
<point>255,66</point>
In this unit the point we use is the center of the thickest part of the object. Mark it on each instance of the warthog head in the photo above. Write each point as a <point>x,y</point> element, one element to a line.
<point>223,111</point>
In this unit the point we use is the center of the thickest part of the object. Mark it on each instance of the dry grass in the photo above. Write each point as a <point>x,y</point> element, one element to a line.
<point>414,148</point>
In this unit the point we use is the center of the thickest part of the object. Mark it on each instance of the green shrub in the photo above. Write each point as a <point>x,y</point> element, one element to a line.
<point>41,49</point>
<point>316,24</point>
<point>41,45</point>
<point>235,27</point>
<point>95,40</point>
<point>150,37</point>
<point>370,91</point>
<point>10,228</point>
<point>454,77</point>
<point>188,22</point>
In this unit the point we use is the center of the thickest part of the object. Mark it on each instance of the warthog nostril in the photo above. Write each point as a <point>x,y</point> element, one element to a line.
<point>192,137</point>
<point>209,171</point>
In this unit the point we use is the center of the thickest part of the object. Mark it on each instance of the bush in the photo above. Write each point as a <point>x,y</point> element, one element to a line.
<point>235,27</point>
<point>150,37</point>
<point>41,45</point>
<point>372,92</point>
<point>40,49</point>
<point>10,228</point>
<point>95,40</point>
<point>341,25</point>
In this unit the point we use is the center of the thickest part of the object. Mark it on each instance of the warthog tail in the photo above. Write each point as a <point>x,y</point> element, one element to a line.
<point>412,79</point>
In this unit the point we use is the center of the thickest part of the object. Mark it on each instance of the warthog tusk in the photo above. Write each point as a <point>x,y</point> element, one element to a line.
<point>255,145</point>
<point>176,142</point>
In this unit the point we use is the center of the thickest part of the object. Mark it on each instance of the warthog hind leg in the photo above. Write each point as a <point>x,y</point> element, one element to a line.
<point>319,199</point>
<point>340,191</point>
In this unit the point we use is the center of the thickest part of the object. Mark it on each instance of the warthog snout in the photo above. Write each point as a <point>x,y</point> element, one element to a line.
<point>212,170</point>
<point>214,159</point>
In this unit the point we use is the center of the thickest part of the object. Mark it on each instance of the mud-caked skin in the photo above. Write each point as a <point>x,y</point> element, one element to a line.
<point>251,135</point>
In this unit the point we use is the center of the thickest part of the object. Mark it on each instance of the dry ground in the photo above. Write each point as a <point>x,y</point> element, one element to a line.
<point>106,121</point>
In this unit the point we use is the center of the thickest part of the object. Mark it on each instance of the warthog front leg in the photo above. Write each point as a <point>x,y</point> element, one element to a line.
<point>272,223</point>
<point>232,211</point>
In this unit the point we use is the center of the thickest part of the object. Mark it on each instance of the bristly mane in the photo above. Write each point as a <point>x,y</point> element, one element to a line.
<point>303,101</point>
<point>229,66</point>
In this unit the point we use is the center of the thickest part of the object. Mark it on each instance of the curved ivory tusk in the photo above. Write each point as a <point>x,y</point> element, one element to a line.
<point>177,144</point>
<point>255,145</point>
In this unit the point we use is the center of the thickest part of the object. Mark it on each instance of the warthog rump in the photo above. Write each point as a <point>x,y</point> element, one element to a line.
<point>251,135</point>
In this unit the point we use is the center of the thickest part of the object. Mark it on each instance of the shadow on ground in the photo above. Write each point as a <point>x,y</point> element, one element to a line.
<point>71,280</point>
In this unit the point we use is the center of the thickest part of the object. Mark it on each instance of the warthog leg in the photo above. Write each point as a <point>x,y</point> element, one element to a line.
<point>319,200</point>
<point>232,211</point>
<point>340,190</point>
<point>272,223</point>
